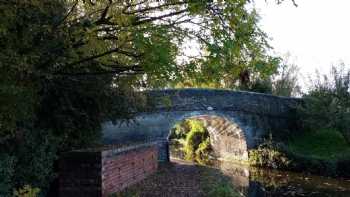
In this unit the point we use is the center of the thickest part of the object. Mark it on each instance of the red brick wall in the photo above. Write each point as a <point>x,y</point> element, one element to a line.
<point>121,171</point>
<point>101,173</point>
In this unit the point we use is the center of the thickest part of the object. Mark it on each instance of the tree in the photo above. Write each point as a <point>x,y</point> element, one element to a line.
<point>285,82</point>
<point>68,65</point>
<point>146,37</point>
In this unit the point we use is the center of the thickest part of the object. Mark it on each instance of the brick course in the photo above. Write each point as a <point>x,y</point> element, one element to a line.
<point>99,173</point>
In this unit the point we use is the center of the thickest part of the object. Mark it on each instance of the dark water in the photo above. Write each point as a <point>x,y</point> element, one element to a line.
<point>253,182</point>
<point>258,182</point>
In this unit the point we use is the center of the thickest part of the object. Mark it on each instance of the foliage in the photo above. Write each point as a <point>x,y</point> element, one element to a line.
<point>328,144</point>
<point>40,151</point>
<point>285,82</point>
<point>68,65</point>
<point>327,104</point>
<point>203,151</point>
<point>196,140</point>
<point>27,191</point>
<point>44,111</point>
<point>268,155</point>
<point>282,82</point>
<point>259,85</point>
<point>193,139</point>
<point>324,151</point>
<point>32,161</point>
<point>7,171</point>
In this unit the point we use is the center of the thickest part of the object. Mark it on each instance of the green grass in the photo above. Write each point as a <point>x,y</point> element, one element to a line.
<point>325,144</point>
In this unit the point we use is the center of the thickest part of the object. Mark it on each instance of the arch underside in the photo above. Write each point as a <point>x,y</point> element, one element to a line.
<point>227,138</point>
<point>247,117</point>
<point>230,135</point>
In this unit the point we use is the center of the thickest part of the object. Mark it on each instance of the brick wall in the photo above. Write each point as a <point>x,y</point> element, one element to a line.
<point>102,172</point>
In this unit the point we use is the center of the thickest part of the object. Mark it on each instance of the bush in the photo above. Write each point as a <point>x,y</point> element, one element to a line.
<point>327,105</point>
<point>7,170</point>
<point>269,155</point>
<point>328,144</point>
<point>321,152</point>
<point>259,85</point>
<point>40,152</point>
<point>203,151</point>
<point>27,191</point>
<point>29,163</point>
<point>194,138</point>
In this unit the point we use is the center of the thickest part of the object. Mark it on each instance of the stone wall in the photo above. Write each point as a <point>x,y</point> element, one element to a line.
<point>101,172</point>
<point>254,115</point>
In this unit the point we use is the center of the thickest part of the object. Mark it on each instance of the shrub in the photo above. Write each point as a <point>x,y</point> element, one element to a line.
<point>327,105</point>
<point>29,163</point>
<point>203,151</point>
<point>328,144</point>
<point>7,169</point>
<point>36,157</point>
<point>27,191</point>
<point>193,139</point>
<point>197,141</point>
<point>269,155</point>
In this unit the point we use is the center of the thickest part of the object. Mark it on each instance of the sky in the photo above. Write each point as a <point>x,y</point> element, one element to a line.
<point>316,34</point>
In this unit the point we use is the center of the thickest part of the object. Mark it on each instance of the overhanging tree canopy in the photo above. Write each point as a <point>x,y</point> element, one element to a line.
<point>138,36</point>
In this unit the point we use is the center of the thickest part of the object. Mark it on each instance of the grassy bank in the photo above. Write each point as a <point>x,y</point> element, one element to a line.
<point>323,152</point>
<point>323,144</point>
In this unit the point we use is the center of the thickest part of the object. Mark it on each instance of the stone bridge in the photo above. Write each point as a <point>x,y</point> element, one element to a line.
<point>236,120</point>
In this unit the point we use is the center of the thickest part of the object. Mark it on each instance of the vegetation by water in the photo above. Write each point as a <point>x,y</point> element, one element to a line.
<point>321,152</point>
<point>192,139</point>
<point>231,180</point>
<point>269,155</point>
<point>327,144</point>
<point>320,142</point>
<point>66,66</point>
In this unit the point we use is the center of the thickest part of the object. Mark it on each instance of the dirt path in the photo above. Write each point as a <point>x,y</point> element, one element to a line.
<point>176,179</point>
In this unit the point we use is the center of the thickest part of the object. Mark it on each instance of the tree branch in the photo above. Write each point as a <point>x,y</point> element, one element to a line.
<point>159,17</point>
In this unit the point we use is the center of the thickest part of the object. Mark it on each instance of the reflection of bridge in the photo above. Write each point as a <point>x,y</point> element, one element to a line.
<point>237,120</point>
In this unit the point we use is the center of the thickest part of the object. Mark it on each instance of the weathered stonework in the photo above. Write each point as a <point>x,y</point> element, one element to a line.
<point>254,114</point>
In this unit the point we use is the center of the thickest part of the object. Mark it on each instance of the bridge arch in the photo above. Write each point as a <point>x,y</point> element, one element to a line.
<point>254,114</point>
<point>228,139</point>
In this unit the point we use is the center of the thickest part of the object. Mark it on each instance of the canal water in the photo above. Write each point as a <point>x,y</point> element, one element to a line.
<point>255,182</point>
<point>259,182</point>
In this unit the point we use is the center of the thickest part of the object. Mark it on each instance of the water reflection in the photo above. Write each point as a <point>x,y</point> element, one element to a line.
<point>253,182</point>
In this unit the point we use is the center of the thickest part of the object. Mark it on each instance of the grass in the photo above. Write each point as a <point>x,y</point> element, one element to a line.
<point>327,144</point>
